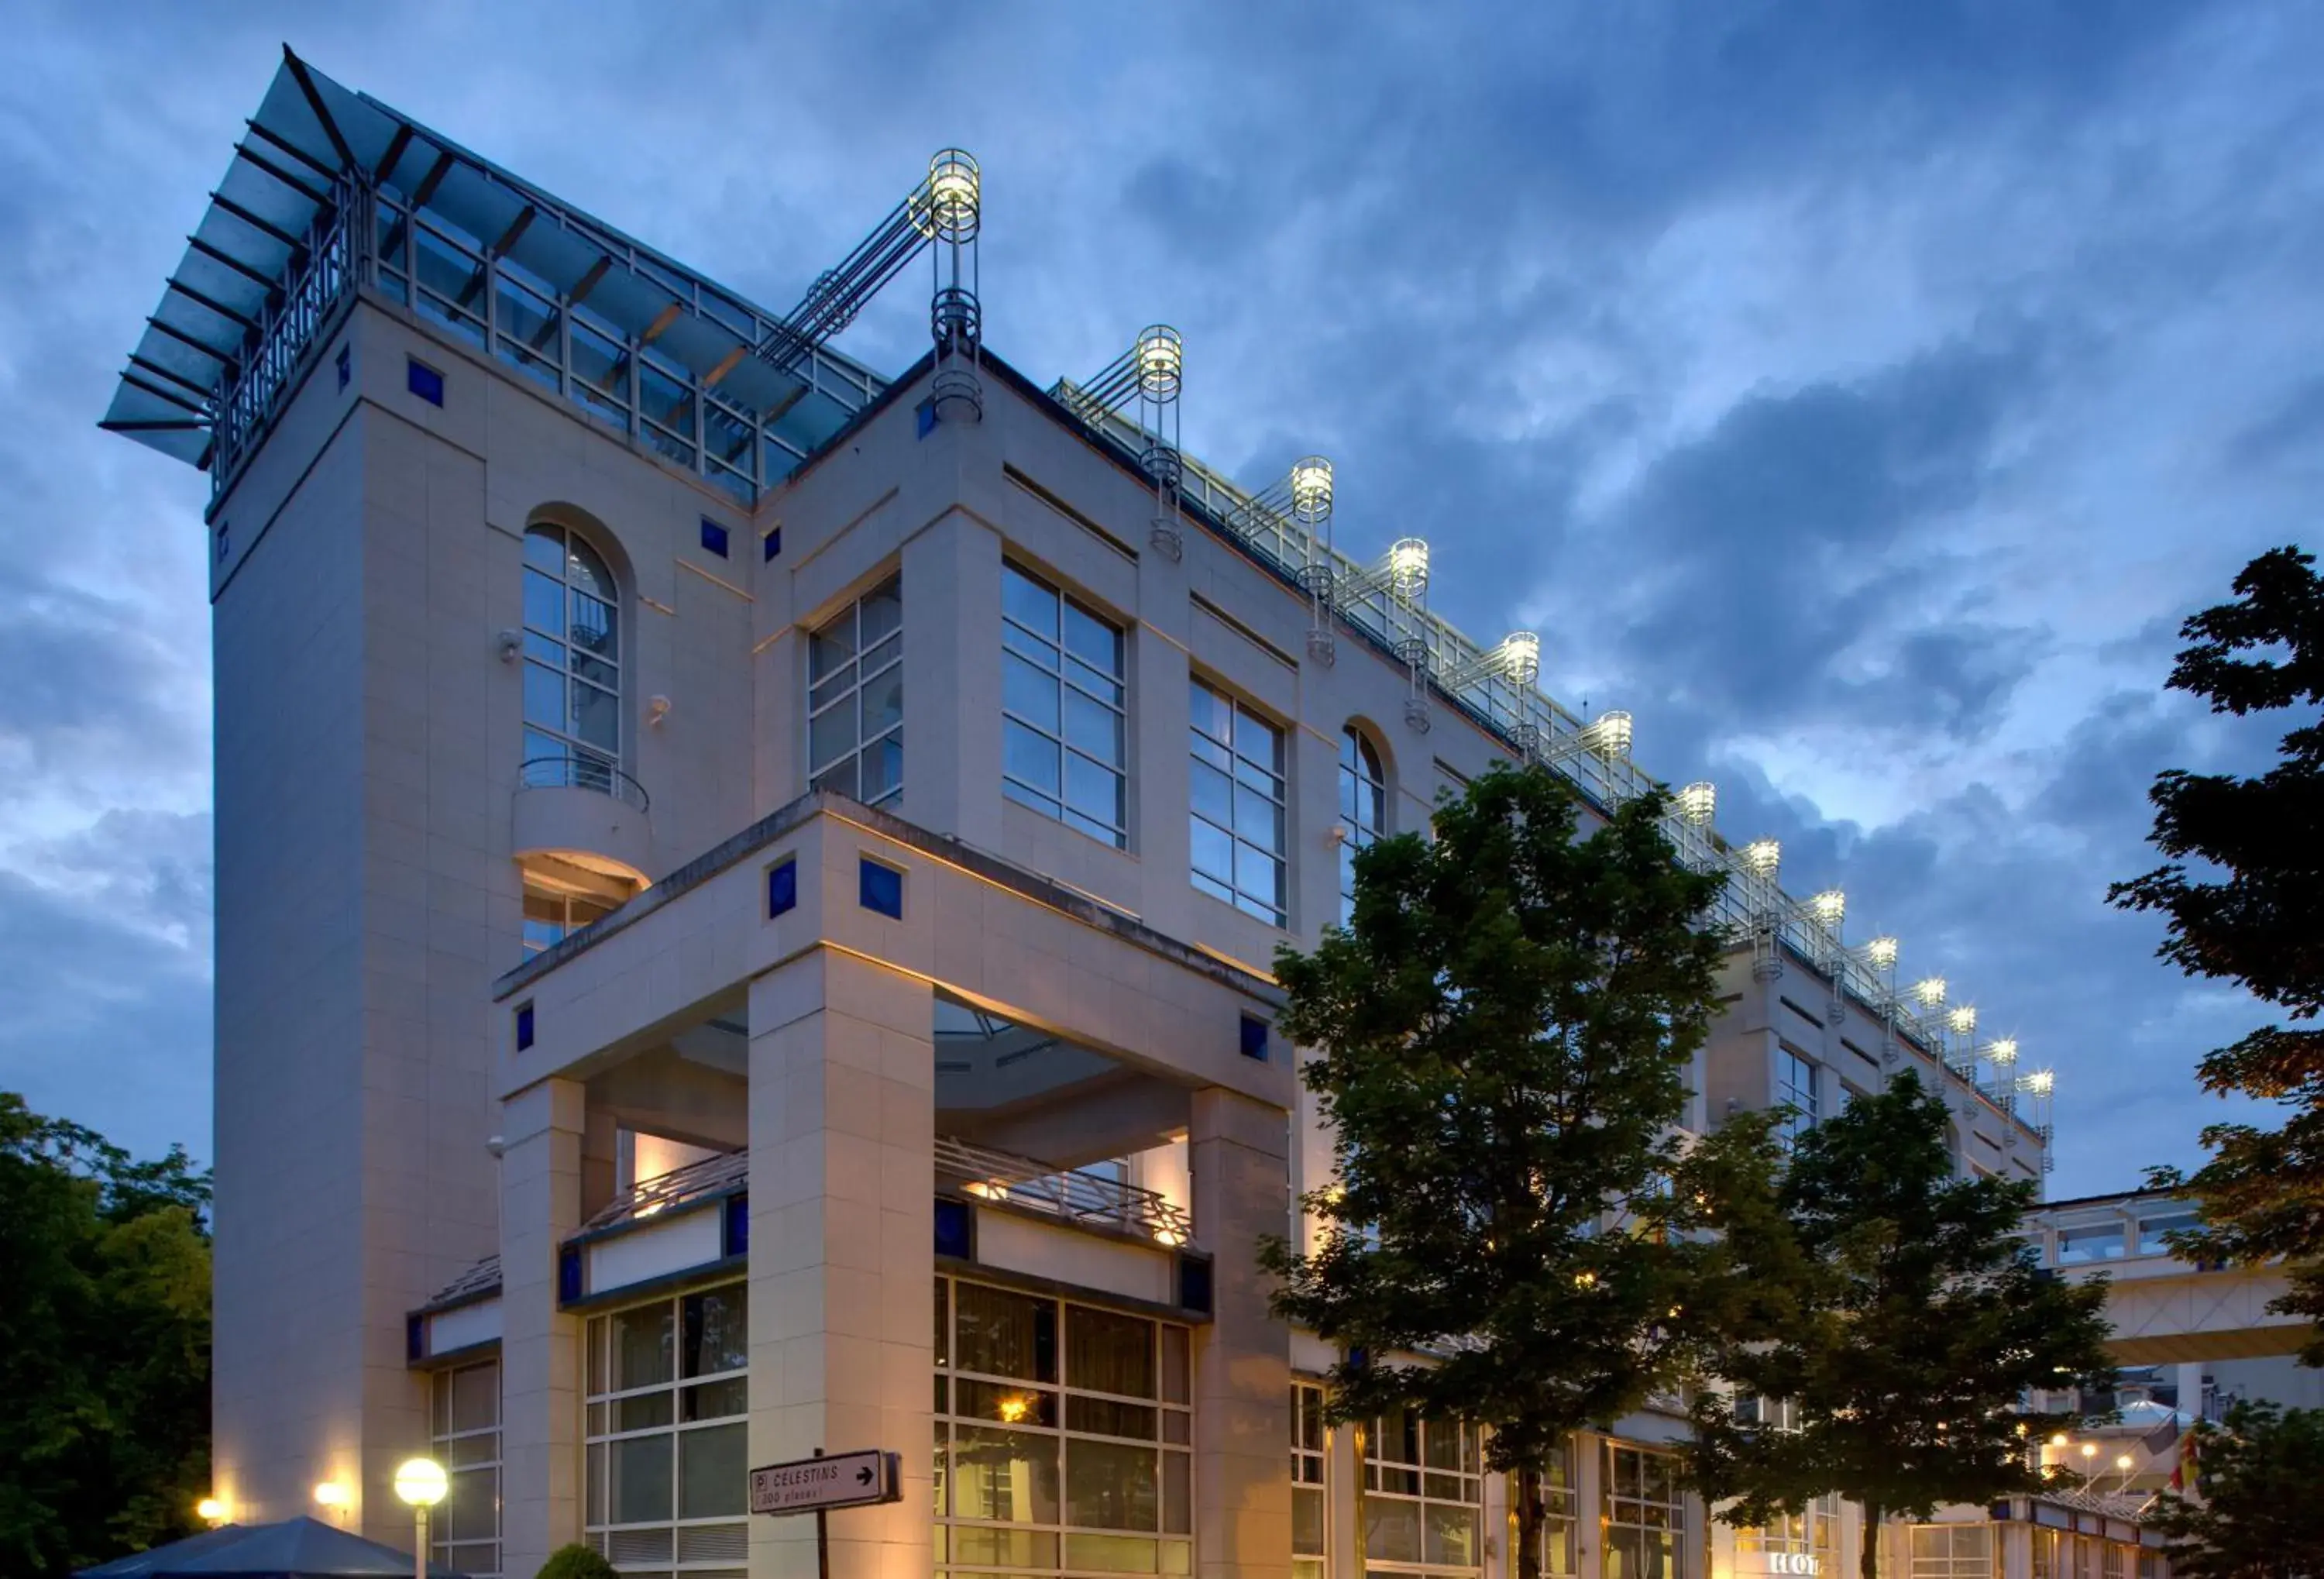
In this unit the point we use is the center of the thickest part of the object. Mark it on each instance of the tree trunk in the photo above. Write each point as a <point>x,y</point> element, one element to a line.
<point>1526,1486</point>
<point>1867,1561</point>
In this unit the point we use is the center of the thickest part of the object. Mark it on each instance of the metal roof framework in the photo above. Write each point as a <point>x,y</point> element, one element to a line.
<point>330,189</point>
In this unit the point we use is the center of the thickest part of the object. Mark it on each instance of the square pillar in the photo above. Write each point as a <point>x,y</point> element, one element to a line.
<point>1589,1505</point>
<point>541,1127</point>
<point>843,1258</point>
<point>1241,1155</point>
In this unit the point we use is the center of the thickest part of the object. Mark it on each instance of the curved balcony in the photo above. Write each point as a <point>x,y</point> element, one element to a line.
<point>584,811</point>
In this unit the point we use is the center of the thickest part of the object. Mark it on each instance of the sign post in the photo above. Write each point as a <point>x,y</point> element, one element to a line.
<point>816,1485</point>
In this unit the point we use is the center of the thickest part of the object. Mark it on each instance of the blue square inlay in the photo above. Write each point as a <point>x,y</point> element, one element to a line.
<point>424,382</point>
<point>523,1026</point>
<point>782,887</point>
<point>738,1225</point>
<point>926,414</point>
<point>568,1273</point>
<point>714,538</point>
<point>1195,1283</point>
<point>346,364</point>
<point>772,543</point>
<point>880,889</point>
<point>1254,1038</point>
<point>225,542</point>
<point>415,1337</point>
<point>956,1229</point>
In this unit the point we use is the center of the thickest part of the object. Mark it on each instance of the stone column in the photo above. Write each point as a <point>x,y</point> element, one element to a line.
<point>1239,1150</point>
<point>843,1113</point>
<point>541,1351</point>
<point>1589,1505</point>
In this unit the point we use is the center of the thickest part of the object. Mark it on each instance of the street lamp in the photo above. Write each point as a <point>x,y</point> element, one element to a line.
<point>421,1483</point>
<point>212,1510</point>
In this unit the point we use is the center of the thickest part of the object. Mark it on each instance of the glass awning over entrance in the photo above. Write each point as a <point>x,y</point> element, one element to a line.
<point>331,189</point>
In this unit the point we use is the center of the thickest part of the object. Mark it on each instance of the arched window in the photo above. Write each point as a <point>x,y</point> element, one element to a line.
<point>1363,809</point>
<point>572,663</point>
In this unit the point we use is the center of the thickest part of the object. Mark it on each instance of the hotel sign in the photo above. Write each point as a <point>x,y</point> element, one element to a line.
<point>1791,1565</point>
<point>813,1485</point>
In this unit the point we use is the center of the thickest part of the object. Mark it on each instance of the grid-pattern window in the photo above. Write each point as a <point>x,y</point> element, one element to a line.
<point>1310,1483</point>
<point>552,913</point>
<point>2153,1565</point>
<point>2151,1231</point>
<point>1559,1513</point>
<point>2090,1242</point>
<point>1646,1514</point>
<point>1363,809</point>
<point>1063,689</point>
<point>1813,1532</point>
<point>2048,1551</point>
<point>1423,1494</point>
<point>465,1434</point>
<point>1063,1437</point>
<point>1796,1087</point>
<point>667,1471</point>
<point>855,699</point>
<point>1237,825</point>
<point>1951,1551</point>
<point>572,663</point>
<point>2114,1560</point>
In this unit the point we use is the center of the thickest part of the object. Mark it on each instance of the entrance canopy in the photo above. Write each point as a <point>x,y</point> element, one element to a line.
<point>296,1548</point>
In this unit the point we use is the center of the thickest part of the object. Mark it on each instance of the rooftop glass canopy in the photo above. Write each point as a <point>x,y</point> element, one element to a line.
<point>330,188</point>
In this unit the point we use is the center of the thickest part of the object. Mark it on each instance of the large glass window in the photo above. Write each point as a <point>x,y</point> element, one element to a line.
<point>1424,1490</point>
<point>1311,1500</point>
<point>1064,1437</point>
<point>2151,1230</point>
<point>1787,1542</point>
<point>1646,1514</point>
<point>666,1472</point>
<point>1952,1551</point>
<point>551,913</point>
<point>1065,738</point>
<point>855,699</point>
<point>1559,1513</point>
<point>2090,1242</point>
<point>572,663</point>
<point>465,1432</point>
<point>1236,827</point>
<point>1795,1087</point>
<point>1363,810</point>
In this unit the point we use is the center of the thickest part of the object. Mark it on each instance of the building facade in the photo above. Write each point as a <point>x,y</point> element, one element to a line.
<point>745,897</point>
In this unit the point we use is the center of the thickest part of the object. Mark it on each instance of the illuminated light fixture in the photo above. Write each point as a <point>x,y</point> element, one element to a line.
<point>986,1189</point>
<point>1169,1236</point>
<point>2040,1082</point>
<point>330,1494</point>
<point>212,1510</point>
<point>1521,657</point>
<point>1311,489</point>
<point>1015,1407</point>
<point>1962,1018</point>
<point>1585,1279</point>
<point>1929,990</point>
<point>2062,1440</point>
<point>421,1483</point>
<point>2089,1450</point>
<point>1161,362</point>
<point>1408,567</point>
<point>1831,907</point>
<point>1698,802</point>
<point>2123,1460</point>
<point>1763,857</point>
<point>2004,1051</point>
<point>956,187</point>
<point>1882,953</point>
<point>1609,735</point>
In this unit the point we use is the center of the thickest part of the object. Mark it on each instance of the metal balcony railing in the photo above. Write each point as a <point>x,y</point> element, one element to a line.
<point>1071,1195</point>
<point>681,1187</point>
<point>577,772</point>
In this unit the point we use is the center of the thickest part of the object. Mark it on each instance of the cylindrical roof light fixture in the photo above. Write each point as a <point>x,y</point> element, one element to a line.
<point>1521,657</point>
<point>1408,567</point>
<point>420,1482</point>
<point>1930,991</point>
<point>1882,952</point>
<point>2004,1051</point>
<point>955,190</point>
<point>1311,490</point>
<point>1610,735</point>
<point>1962,1018</point>
<point>1698,802</point>
<point>1831,907</point>
<point>1763,857</point>
<point>1161,362</point>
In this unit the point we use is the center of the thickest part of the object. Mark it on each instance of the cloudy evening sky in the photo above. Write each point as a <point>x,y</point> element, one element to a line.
<point>1859,394</point>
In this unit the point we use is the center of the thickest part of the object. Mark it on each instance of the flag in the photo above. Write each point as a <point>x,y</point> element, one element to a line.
<point>2184,1476</point>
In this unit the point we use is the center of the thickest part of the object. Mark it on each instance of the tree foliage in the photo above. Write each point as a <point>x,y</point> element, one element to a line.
<point>2260,922</point>
<point>2255,1513</point>
<point>1899,1318</point>
<point>1503,1031</point>
<point>577,1560</point>
<point>105,1313</point>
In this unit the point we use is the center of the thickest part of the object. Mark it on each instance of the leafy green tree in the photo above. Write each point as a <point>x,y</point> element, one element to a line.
<point>577,1560</point>
<point>2260,923</point>
<point>105,1315</point>
<point>2255,1513</point>
<point>1502,1035</point>
<point>1907,1326</point>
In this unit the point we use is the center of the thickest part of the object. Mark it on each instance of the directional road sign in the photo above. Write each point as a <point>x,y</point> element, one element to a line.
<point>843,1479</point>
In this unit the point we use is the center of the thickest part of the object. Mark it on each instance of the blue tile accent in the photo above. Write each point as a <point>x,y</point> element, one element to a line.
<point>927,412</point>
<point>1254,1038</point>
<point>423,381</point>
<point>415,1337</point>
<point>714,538</point>
<point>347,365</point>
<point>955,1229</point>
<point>1195,1283</point>
<point>736,1239</point>
<point>771,544</point>
<point>879,889</point>
<point>782,887</point>
<point>224,541</point>
<point>523,1026</point>
<point>568,1273</point>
